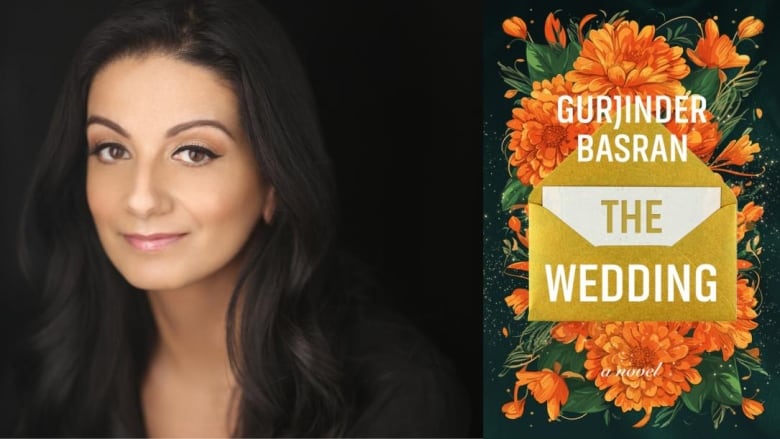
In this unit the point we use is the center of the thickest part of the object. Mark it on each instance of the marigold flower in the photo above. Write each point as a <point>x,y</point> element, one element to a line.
<point>633,346</point>
<point>751,408</point>
<point>725,336</point>
<point>703,137</point>
<point>539,140</point>
<point>553,31</point>
<point>515,27</point>
<point>548,386</point>
<point>518,300</point>
<point>737,152</point>
<point>619,59</point>
<point>716,51</point>
<point>747,218</point>
<point>749,27</point>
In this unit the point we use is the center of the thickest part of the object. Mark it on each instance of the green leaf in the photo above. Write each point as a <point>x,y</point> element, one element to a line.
<point>536,336</point>
<point>719,383</point>
<point>514,192</point>
<point>545,61</point>
<point>727,390</point>
<point>515,79</point>
<point>694,399</point>
<point>564,354</point>
<point>752,364</point>
<point>665,415</point>
<point>584,397</point>
<point>704,82</point>
<point>516,359</point>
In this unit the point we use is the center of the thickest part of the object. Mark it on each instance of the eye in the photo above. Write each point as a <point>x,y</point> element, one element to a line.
<point>194,155</point>
<point>110,152</point>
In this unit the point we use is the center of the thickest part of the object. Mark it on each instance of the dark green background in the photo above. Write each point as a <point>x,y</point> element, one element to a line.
<point>497,111</point>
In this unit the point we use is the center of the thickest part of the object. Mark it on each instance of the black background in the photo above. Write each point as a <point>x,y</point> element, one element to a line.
<point>398,85</point>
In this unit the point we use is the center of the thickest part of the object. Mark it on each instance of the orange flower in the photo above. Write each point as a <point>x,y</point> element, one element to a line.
<point>737,152</point>
<point>515,27</point>
<point>619,59</point>
<point>746,303</point>
<point>702,136</point>
<point>749,27</point>
<point>751,408</point>
<point>727,335</point>
<point>539,140</point>
<point>518,300</point>
<point>567,332</point>
<point>520,265</point>
<point>646,346</point>
<point>548,386</point>
<point>516,226</point>
<point>514,223</point>
<point>514,409</point>
<point>747,218</point>
<point>583,22</point>
<point>716,51</point>
<point>744,264</point>
<point>553,32</point>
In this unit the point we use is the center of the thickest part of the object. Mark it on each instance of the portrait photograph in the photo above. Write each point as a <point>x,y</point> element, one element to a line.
<point>249,218</point>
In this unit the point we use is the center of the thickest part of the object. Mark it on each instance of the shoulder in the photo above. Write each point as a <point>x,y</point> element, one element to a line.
<point>405,385</point>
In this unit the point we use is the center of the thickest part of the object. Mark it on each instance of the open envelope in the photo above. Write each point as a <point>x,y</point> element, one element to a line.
<point>616,241</point>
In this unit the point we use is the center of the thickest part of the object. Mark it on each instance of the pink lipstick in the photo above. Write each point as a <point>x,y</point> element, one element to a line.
<point>154,242</point>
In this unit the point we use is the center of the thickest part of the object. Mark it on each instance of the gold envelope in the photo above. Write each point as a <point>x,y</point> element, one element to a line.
<point>552,241</point>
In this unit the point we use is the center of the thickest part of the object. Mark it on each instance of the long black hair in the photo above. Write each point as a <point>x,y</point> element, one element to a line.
<point>94,331</point>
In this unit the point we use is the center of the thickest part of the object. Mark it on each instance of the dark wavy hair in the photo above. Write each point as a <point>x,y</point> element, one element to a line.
<point>94,332</point>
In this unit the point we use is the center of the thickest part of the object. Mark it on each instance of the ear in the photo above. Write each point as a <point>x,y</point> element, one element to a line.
<point>269,205</point>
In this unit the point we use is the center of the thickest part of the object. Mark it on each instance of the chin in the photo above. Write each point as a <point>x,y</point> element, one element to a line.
<point>153,284</point>
<point>153,280</point>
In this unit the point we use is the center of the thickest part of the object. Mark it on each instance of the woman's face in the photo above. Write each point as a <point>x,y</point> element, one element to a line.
<point>172,182</point>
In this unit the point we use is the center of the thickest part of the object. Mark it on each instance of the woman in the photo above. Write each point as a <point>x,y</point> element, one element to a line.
<point>180,231</point>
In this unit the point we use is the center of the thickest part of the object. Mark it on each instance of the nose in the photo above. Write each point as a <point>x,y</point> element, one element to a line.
<point>147,196</point>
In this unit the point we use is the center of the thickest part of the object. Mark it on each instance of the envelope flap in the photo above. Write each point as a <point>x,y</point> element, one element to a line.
<point>691,172</point>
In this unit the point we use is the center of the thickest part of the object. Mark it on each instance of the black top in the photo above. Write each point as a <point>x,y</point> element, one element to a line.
<point>407,387</point>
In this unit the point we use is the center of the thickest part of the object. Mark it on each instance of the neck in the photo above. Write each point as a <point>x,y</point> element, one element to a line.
<point>191,325</point>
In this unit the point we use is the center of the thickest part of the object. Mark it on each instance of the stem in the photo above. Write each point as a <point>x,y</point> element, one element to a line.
<point>682,17</point>
<point>574,419</point>
<point>741,174</point>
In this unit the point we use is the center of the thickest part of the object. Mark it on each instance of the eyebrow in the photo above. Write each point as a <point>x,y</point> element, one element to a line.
<point>174,130</point>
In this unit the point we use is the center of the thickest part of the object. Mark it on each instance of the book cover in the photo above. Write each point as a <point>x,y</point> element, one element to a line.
<point>629,226</point>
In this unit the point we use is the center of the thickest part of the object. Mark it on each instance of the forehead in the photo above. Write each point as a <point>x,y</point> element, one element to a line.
<point>159,91</point>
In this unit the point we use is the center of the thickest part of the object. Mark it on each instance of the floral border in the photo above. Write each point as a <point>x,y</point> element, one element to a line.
<point>700,364</point>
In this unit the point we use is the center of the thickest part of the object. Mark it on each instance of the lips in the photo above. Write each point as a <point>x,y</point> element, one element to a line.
<point>154,242</point>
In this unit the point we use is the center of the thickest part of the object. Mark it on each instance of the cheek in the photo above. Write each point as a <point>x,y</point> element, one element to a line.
<point>101,194</point>
<point>227,206</point>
